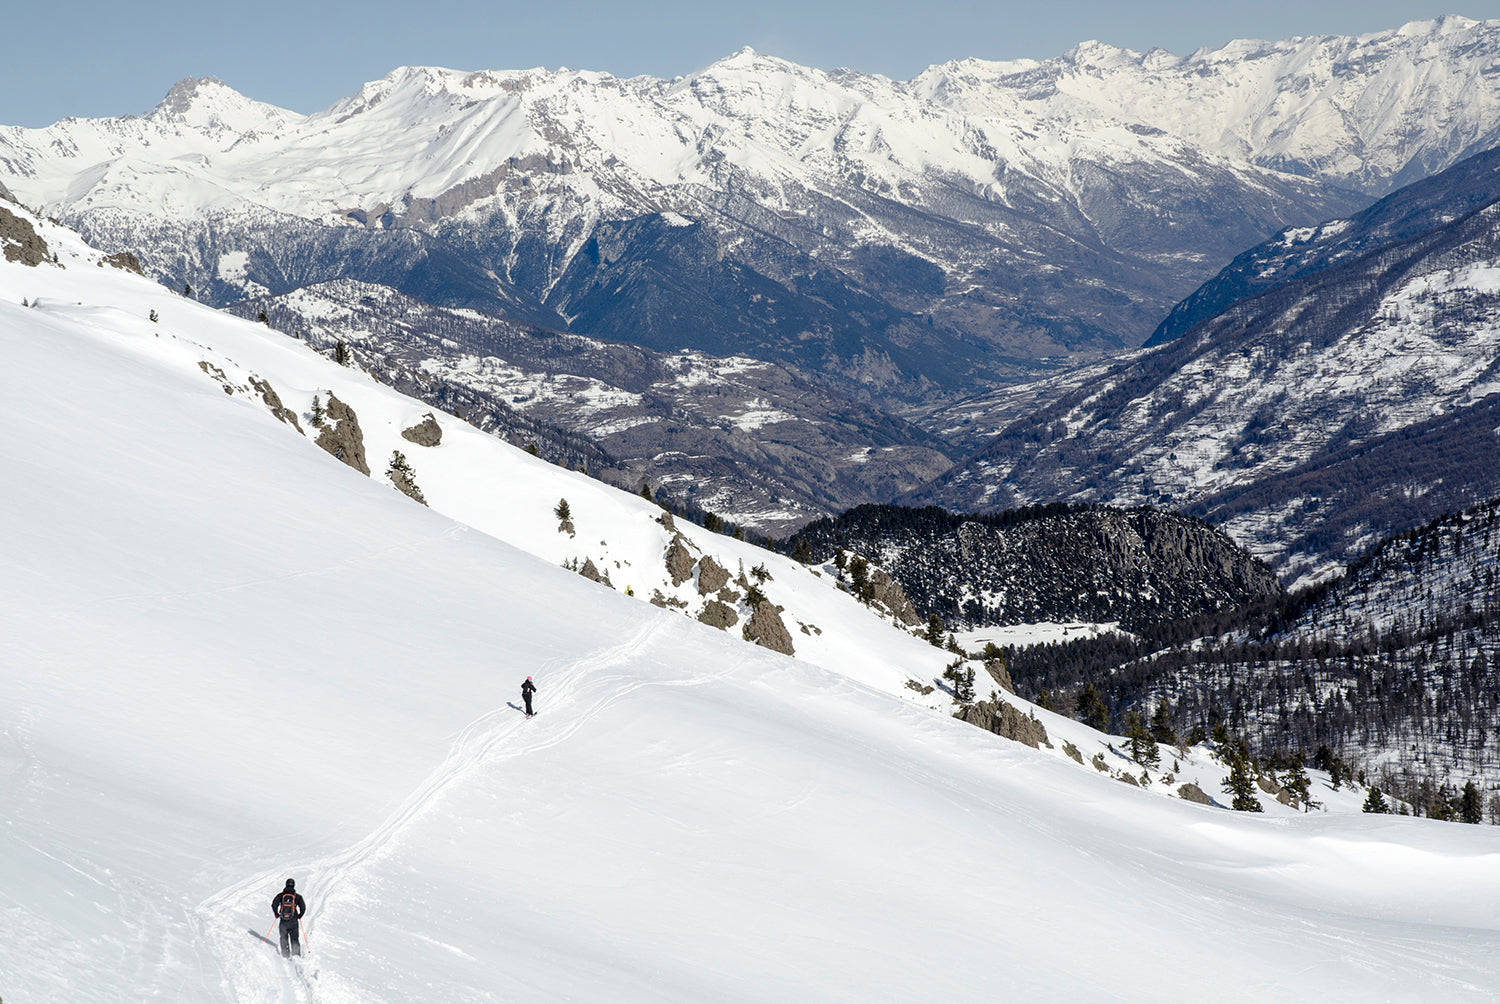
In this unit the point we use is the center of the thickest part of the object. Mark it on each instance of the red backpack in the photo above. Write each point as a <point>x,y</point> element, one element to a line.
<point>286,907</point>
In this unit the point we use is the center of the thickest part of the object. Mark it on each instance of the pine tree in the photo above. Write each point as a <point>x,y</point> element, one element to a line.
<point>318,413</point>
<point>564,516</point>
<point>1161,725</point>
<point>403,477</point>
<point>341,354</point>
<point>1142,747</point>
<point>1092,710</point>
<point>934,627</point>
<point>645,491</point>
<point>802,552</point>
<point>1239,782</point>
<point>1297,781</point>
<point>1375,801</point>
<point>963,682</point>
<point>1470,807</point>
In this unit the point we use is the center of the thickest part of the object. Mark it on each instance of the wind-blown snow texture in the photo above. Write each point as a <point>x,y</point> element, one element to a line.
<point>229,658</point>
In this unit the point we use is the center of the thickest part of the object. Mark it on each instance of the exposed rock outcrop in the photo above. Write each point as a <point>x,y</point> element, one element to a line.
<point>1192,793</point>
<point>1005,721</point>
<point>712,576</point>
<point>20,241</point>
<point>341,435</point>
<point>767,630</point>
<point>888,593</point>
<point>719,615</point>
<point>273,402</point>
<point>123,259</point>
<point>1001,675</point>
<point>425,433</point>
<point>679,560</point>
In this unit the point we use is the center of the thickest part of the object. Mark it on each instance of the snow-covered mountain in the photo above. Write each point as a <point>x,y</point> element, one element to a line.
<point>1353,392</point>
<point>892,236</point>
<point>228,656</point>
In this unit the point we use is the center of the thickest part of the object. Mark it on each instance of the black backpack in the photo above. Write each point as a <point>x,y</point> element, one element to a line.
<point>286,907</point>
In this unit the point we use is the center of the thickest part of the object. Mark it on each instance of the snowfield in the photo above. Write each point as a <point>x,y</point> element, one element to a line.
<point>227,658</point>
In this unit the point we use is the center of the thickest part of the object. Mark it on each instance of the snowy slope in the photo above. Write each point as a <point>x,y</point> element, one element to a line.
<point>228,658</point>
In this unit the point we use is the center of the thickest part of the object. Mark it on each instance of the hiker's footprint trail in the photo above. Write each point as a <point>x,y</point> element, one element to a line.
<point>479,742</point>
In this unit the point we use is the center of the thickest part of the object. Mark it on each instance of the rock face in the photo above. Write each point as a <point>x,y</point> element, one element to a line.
<point>125,260</point>
<point>1005,721</point>
<point>1001,675</point>
<point>20,241</point>
<point>273,402</point>
<point>425,433</point>
<point>590,571</point>
<point>1192,793</point>
<point>719,615</point>
<point>766,629</point>
<point>888,593</point>
<point>341,435</point>
<point>679,561</point>
<point>712,576</point>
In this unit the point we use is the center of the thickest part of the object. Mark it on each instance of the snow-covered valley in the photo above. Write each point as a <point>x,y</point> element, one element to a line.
<point>227,658</point>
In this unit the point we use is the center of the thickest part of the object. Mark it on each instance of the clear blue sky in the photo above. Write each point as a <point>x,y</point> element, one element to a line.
<point>97,58</point>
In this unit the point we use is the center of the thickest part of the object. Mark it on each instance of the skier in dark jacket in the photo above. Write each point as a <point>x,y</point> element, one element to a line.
<point>289,906</point>
<point>527,689</point>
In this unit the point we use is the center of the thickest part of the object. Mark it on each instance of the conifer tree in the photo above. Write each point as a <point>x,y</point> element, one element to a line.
<point>1375,801</point>
<point>1470,806</point>
<point>1161,725</point>
<point>1239,782</point>
<point>564,516</point>
<point>934,626</point>
<point>1297,781</point>
<point>1092,710</point>
<point>403,477</point>
<point>1142,747</point>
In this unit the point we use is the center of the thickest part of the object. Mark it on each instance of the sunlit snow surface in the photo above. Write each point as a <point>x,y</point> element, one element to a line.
<point>228,659</point>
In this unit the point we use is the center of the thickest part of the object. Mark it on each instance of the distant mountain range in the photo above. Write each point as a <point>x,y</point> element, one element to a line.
<point>862,271</point>
<point>1340,386</point>
<point>895,238</point>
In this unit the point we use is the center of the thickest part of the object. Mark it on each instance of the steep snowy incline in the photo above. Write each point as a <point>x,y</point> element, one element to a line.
<point>226,658</point>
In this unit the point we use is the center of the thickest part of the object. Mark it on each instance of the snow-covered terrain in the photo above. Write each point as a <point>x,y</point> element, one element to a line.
<point>227,658</point>
<point>1046,209</point>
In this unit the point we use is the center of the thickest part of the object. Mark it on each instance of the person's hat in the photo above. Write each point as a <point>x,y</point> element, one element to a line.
<point>291,883</point>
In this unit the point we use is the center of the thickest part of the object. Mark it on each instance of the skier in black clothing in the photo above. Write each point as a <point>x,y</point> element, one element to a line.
<point>527,689</point>
<point>289,906</point>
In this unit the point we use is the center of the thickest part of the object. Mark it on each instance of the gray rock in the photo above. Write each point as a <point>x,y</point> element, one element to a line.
<point>712,576</point>
<point>20,241</point>
<point>679,560</point>
<point>1192,793</point>
<point>888,593</point>
<point>1001,675</point>
<point>767,630</point>
<point>1128,779</point>
<point>719,615</point>
<point>273,402</point>
<point>425,433</point>
<point>590,571</point>
<point>123,260</point>
<point>341,435</point>
<point>1006,721</point>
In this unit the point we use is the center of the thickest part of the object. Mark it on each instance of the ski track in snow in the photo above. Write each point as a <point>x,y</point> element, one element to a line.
<point>217,921</point>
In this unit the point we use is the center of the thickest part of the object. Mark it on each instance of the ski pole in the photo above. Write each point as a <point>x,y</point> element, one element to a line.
<point>306,948</point>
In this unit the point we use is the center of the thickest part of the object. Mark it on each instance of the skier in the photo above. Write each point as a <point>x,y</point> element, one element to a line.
<point>527,689</point>
<point>289,906</point>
